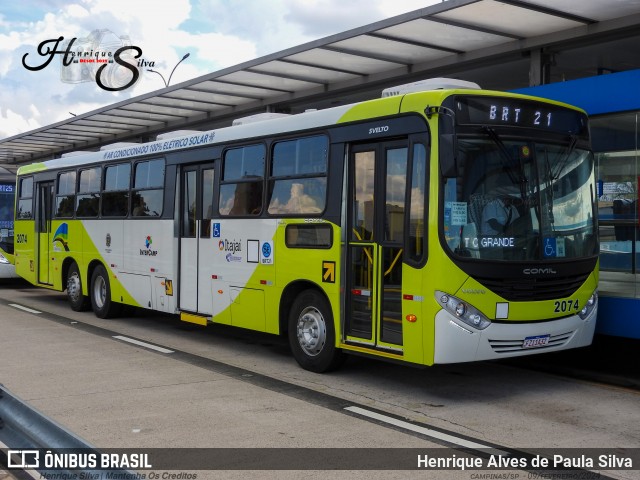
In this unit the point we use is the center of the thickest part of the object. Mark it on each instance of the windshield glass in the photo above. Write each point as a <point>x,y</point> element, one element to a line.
<point>520,200</point>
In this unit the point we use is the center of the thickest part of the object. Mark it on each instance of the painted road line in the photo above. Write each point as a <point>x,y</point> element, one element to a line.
<point>143,344</point>
<point>26,309</point>
<point>418,429</point>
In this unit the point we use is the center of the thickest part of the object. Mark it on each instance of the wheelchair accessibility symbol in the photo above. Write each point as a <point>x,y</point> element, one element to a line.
<point>550,247</point>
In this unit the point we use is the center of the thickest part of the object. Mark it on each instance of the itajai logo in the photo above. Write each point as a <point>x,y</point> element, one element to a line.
<point>232,246</point>
<point>148,251</point>
<point>61,237</point>
<point>104,57</point>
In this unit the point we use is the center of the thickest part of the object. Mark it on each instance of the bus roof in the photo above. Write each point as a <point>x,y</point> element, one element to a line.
<point>303,121</point>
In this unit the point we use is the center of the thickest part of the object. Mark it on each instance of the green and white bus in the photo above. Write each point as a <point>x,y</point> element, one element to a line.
<point>440,223</point>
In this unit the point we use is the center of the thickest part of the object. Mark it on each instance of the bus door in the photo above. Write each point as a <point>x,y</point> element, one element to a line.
<point>195,238</point>
<point>377,191</point>
<point>44,214</point>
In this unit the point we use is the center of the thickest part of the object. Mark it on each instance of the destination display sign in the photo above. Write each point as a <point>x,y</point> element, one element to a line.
<point>498,111</point>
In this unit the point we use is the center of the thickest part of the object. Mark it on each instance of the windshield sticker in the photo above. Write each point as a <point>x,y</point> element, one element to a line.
<point>550,247</point>
<point>560,252</point>
<point>458,213</point>
<point>488,242</point>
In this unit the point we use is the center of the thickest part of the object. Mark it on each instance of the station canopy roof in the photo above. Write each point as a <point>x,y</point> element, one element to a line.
<point>421,44</point>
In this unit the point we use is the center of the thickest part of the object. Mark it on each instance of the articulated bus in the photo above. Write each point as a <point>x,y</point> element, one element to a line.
<point>432,225</point>
<point>7,201</point>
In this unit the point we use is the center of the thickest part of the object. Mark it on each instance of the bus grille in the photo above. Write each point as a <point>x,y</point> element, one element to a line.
<point>510,346</point>
<point>538,288</point>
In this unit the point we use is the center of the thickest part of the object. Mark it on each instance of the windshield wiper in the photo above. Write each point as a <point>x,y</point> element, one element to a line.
<point>552,176</point>
<point>565,157</point>
<point>517,177</point>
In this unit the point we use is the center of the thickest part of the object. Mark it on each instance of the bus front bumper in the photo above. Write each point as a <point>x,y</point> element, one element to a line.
<point>456,341</point>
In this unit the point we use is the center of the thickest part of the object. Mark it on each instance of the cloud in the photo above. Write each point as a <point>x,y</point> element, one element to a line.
<point>216,33</point>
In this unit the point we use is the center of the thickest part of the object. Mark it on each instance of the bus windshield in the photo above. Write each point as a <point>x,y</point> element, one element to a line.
<point>520,199</point>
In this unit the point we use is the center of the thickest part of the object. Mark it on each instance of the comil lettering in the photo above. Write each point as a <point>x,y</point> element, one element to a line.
<point>539,271</point>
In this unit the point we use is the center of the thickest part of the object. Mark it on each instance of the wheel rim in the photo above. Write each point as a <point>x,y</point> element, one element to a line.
<point>312,331</point>
<point>99,291</point>
<point>74,287</point>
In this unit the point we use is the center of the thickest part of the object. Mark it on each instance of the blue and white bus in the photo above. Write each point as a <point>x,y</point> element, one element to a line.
<point>7,201</point>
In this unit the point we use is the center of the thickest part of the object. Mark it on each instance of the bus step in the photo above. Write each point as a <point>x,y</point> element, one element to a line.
<point>191,318</point>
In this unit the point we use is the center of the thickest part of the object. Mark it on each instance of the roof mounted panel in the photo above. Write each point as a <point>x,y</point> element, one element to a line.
<point>288,66</point>
<point>277,84</point>
<point>395,50</point>
<point>219,85</point>
<point>510,19</point>
<point>348,62</point>
<point>445,35</point>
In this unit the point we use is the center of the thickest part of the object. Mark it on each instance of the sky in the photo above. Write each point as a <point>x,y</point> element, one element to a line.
<point>215,33</point>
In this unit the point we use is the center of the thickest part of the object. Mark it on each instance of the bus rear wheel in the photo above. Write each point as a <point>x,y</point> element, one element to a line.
<point>312,334</point>
<point>100,294</point>
<point>77,301</point>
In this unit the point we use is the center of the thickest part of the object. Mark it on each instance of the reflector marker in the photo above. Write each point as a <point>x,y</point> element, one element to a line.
<point>361,293</point>
<point>415,298</point>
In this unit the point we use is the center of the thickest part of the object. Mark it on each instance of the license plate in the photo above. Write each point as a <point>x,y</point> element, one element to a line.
<point>537,341</point>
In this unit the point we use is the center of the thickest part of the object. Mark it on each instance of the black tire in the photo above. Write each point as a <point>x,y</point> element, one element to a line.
<point>100,294</point>
<point>77,301</point>
<point>312,335</point>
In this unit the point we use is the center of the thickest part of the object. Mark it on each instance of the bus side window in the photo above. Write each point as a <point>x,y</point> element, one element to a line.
<point>25,202</point>
<point>148,183</point>
<point>115,195</point>
<point>242,181</point>
<point>298,180</point>
<point>66,196</point>
<point>417,211</point>
<point>207,202</point>
<point>88,199</point>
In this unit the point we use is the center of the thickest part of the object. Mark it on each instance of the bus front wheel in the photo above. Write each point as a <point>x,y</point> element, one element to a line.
<point>100,294</point>
<point>77,300</point>
<point>312,334</point>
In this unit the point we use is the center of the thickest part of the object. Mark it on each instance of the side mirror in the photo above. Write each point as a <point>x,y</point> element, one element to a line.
<point>447,143</point>
<point>447,150</point>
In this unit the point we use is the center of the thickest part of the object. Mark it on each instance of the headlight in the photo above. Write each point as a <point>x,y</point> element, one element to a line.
<point>3,259</point>
<point>463,311</point>
<point>588,308</point>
